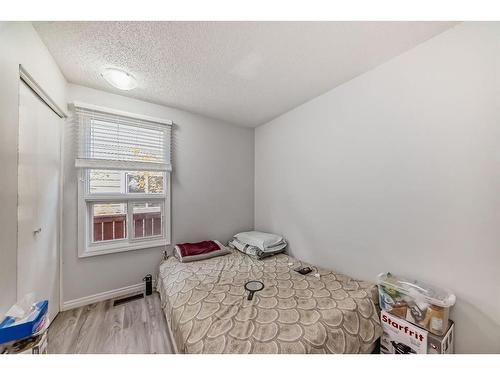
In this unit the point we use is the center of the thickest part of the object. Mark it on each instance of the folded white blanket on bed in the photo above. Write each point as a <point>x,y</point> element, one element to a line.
<point>260,240</point>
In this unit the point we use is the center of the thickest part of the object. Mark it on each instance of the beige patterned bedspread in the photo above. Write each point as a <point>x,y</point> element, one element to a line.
<point>206,307</point>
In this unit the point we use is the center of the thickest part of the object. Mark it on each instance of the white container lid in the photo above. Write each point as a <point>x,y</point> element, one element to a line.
<point>417,289</point>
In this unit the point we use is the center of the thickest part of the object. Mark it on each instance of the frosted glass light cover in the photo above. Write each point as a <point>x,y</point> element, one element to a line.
<point>119,79</point>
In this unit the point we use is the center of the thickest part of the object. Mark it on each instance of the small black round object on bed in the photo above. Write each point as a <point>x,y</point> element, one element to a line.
<point>253,286</point>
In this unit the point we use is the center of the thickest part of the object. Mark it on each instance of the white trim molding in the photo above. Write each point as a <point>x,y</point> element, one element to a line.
<point>103,296</point>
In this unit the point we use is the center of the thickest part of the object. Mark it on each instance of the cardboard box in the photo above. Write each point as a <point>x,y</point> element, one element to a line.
<point>32,345</point>
<point>442,344</point>
<point>402,337</point>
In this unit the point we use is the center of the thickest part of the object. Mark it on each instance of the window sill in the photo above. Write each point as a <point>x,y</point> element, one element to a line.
<point>120,248</point>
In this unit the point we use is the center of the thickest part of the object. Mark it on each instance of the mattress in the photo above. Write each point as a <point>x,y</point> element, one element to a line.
<point>207,310</point>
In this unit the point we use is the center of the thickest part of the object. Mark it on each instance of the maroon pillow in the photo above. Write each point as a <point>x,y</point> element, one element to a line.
<point>203,247</point>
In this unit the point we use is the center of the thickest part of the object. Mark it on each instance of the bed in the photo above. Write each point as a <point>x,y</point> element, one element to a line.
<point>207,310</point>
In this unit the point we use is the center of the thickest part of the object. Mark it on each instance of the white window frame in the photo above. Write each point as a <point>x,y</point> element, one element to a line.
<point>86,246</point>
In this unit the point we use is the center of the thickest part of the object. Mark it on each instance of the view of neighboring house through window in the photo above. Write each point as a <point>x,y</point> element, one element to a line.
<point>109,220</point>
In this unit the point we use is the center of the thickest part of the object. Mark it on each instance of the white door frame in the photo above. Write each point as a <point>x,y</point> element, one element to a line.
<point>33,84</point>
<point>42,94</point>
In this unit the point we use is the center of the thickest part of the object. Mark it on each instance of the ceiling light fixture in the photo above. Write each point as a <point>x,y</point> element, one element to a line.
<point>119,79</point>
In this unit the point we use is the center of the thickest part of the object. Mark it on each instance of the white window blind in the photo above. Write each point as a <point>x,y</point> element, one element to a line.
<point>117,141</point>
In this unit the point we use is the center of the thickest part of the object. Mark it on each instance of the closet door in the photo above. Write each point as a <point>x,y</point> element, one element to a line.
<point>38,199</point>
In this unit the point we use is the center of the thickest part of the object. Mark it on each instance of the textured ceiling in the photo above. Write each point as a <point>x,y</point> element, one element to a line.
<point>245,73</point>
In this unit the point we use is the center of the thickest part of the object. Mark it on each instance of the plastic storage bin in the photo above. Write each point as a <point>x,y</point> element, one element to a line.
<point>421,304</point>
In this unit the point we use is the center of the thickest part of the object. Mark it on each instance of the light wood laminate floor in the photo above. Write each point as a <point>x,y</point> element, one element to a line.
<point>134,327</point>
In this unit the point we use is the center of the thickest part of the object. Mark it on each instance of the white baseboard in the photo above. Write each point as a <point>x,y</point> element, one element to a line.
<point>115,293</point>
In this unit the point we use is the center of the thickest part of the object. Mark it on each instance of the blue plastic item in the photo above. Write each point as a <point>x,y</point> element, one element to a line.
<point>10,331</point>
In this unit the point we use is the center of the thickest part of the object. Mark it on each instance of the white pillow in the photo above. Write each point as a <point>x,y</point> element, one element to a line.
<point>259,239</point>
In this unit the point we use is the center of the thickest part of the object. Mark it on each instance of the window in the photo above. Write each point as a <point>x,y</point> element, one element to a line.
<point>124,181</point>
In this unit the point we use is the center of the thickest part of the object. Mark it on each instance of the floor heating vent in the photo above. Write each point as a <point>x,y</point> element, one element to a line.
<point>123,300</point>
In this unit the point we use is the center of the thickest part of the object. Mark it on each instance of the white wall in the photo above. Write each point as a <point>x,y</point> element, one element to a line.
<point>398,170</point>
<point>212,193</point>
<point>19,44</point>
